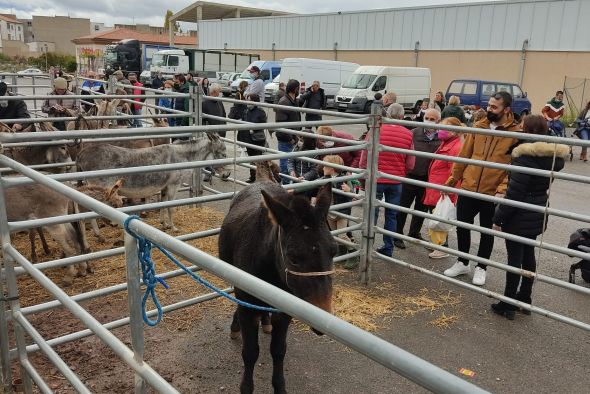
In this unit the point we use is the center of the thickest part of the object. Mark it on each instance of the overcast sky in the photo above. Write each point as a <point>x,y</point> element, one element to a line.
<point>152,11</point>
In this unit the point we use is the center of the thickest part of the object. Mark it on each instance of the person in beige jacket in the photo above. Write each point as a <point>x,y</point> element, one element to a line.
<point>483,180</point>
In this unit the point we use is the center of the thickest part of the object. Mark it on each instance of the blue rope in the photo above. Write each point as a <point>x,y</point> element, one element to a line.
<point>150,279</point>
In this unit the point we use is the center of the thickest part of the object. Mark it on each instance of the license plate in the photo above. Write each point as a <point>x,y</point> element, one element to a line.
<point>342,105</point>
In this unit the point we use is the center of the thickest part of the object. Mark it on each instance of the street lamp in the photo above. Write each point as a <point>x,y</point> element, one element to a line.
<point>46,69</point>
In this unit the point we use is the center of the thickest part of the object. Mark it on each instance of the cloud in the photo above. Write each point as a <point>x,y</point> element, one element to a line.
<point>152,11</point>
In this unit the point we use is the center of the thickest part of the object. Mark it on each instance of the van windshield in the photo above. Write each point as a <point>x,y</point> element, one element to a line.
<point>159,60</point>
<point>359,81</point>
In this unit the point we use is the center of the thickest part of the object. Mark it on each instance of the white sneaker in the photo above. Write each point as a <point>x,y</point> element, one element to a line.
<point>479,276</point>
<point>438,254</point>
<point>457,269</point>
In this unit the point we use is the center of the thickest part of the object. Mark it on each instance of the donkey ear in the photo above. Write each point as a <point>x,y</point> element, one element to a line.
<point>324,200</point>
<point>116,102</point>
<point>116,187</point>
<point>277,212</point>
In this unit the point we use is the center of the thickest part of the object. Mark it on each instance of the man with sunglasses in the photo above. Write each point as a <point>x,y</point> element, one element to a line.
<point>485,180</point>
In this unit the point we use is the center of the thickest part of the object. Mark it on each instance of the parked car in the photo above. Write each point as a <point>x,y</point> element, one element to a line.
<point>271,89</point>
<point>411,84</point>
<point>226,82</point>
<point>29,72</point>
<point>268,71</point>
<point>476,93</point>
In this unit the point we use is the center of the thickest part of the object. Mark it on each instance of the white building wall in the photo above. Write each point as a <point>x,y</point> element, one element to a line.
<point>549,25</point>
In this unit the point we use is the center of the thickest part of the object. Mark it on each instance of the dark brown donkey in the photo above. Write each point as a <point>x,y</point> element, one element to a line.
<point>280,238</point>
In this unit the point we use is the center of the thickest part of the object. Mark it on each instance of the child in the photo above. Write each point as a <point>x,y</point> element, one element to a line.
<point>167,102</point>
<point>336,222</point>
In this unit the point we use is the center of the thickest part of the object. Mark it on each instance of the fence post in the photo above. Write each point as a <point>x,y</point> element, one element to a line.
<point>14,85</point>
<point>34,93</point>
<point>12,296</point>
<point>135,307</point>
<point>112,89</point>
<point>368,231</point>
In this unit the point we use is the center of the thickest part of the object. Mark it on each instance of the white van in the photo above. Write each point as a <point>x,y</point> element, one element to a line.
<point>410,84</point>
<point>331,74</point>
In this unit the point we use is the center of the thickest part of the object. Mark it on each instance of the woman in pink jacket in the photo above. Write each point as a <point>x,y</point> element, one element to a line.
<point>438,173</point>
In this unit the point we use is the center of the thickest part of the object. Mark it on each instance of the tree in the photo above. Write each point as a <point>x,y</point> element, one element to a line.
<point>176,26</point>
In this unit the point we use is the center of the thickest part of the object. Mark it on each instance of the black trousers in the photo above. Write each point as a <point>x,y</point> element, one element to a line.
<point>412,194</point>
<point>254,152</point>
<point>467,209</point>
<point>519,256</point>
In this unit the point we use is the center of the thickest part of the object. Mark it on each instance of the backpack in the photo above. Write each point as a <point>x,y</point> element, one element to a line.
<point>580,240</point>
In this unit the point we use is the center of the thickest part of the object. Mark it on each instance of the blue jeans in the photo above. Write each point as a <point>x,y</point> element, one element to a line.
<point>585,135</point>
<point>136,122</point>
<point>393,194</point>
<point>285,147</point>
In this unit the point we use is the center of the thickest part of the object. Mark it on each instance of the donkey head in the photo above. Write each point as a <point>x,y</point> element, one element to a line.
<point>305,244</point>
<point>217,150</point>
<point>112,196</point>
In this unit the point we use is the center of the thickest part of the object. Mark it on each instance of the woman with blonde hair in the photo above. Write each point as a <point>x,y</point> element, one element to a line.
<point>438,173</point>
<point>454,110</point>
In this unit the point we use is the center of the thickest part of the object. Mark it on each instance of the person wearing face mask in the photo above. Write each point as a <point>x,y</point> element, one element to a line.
<point>424,139</point>
<point>181,103</point>
<point>485,180</point>
<point>12,109</point>
<point>313,98</point>
<point>256,87</point>
<point>350,159</point>
<point>287,141</point>
<point>438,173</point>
<point>214,108</point>
<point>253,114</point>
<point>167,102</point>
<point>136,108</point>
<point>303,170</point>
<point>60,107</point>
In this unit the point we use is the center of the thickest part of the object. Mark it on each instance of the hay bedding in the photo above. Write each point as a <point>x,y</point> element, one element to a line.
<point>366,308</point>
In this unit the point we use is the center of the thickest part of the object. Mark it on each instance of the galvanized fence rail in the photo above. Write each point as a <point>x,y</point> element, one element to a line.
<point>409,366</point>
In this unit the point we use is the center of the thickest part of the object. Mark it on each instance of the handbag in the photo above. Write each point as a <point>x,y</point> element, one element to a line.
<point>445,209</point>
<point>258,135</point>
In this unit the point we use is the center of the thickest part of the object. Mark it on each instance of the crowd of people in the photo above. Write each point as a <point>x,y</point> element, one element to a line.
<point>422,170</point>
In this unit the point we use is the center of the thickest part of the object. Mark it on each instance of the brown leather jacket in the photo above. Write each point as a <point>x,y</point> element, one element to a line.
<point>487,148</point>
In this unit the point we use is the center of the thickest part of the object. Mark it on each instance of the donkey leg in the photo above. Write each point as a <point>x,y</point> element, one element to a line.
<point>43,240</point>
<point>32,242</point>
<point>171,192</point>
<point>235,326</point>
<point>278,349</point>
<point>96,231</point>
<point>60,234</point>
<point>250,348</point>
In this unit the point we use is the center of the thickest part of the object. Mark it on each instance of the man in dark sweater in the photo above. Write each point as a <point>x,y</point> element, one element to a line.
<point>425,140</point>
<point>12,109</point>
<point>286,141</point>
<point>313,98</point>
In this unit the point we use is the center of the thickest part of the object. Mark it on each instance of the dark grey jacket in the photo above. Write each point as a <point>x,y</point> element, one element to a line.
<point>287,116</point>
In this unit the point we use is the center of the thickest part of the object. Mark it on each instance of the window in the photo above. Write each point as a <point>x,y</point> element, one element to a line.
<point>504,88</point>
<point>517,93</point>
<point>456,88</point>
<point>380,83</point>
<point>173,61</point>
<point>470,88</point>
<point>96,27</point>
<point>488,89</point>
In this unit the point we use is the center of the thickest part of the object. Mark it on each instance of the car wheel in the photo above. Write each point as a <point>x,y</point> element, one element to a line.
<point>341,109</point>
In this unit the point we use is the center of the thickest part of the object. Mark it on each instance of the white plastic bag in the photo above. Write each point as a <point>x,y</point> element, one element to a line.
<point>445,210</point>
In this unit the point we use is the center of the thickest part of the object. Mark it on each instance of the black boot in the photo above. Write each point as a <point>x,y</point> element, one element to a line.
<point>503,309</point>
<point>526,300</point>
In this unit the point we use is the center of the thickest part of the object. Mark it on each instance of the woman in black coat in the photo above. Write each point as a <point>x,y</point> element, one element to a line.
<point>253,114</point>
<point>531,189</point>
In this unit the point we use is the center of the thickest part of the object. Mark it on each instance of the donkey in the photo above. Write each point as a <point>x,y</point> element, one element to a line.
<point>38,202</point>
<point>147,184</point>
<point>282,239</point>
<point>32,155</point>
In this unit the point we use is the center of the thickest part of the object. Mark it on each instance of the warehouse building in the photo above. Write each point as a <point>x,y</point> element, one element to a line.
<point>535,43</point>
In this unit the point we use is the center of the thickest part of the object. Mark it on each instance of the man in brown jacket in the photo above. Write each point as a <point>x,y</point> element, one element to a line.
<point>483,180</point>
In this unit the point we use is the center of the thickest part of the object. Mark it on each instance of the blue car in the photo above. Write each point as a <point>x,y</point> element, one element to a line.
<point>477,93</point>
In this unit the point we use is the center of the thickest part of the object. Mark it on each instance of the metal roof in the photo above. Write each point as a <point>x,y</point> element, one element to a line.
<point>209,10</point>
<point>548,25</point>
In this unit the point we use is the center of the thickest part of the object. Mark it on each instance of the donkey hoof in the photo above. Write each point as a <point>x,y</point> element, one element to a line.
<point>267,328</point>
<point>118,243</point>
<point>234,335</point>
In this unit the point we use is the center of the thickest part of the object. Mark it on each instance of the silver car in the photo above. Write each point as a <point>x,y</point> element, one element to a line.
<point>226,82</point>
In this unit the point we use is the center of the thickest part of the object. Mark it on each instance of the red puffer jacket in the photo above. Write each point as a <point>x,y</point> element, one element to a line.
<point>393,163</point>
<point>440,170</point>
